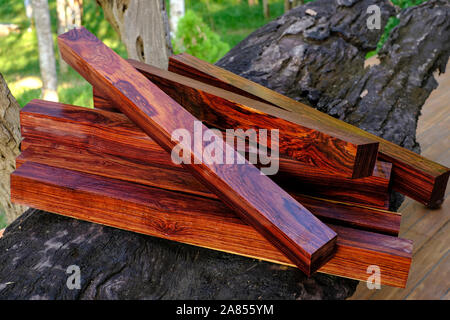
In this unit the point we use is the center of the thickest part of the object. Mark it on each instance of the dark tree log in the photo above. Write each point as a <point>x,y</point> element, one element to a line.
<point>119,264</point>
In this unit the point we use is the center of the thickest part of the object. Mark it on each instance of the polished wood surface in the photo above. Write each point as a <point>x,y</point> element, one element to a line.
<point>303,238</point>
<point>413,175</point>
<point>194,220</point>
<point>102,102</point>
<point>115,134</point>
<point>312,143</point>
<point>121,168</point>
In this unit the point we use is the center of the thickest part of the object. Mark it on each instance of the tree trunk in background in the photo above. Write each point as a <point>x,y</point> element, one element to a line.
<point>9,149</point>
<point>143,27</point>
<point>62,27</point>
<point>291,4</point>
<point>74,9</point>
<point>301,53</point>
<point>266,9</point>
<point>176,13</point>
<point>47,61</point>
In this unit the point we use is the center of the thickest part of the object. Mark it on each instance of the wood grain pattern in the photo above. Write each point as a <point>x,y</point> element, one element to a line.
<point>159,213</point>
<point>413,175</point>
<point>113,133</point>
<point>302,237</point>
<point>121,168</point>
<point>101,102</point>
<point>312,143</point>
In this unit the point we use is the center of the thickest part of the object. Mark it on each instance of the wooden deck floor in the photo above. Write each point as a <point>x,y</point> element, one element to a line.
<point>429,276</point>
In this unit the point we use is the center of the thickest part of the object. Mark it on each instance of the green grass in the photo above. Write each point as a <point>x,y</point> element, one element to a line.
<point>234,20</point>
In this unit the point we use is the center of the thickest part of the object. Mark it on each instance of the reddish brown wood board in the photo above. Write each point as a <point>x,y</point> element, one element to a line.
<point>413,175</point>
<point>313,144</point>
<point>121,168</point>
<point>195,220</point>
<point>113,133</point>
<point>289,167</point>
<point>303,238</point>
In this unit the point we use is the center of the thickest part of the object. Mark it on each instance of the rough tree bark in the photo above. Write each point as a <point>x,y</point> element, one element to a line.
<point>9,149</point>
<point>143,28</point>
<point>308,61</point>
<point>47,62</point>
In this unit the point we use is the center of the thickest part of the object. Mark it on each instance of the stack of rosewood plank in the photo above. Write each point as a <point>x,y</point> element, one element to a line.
<point>324,210</point>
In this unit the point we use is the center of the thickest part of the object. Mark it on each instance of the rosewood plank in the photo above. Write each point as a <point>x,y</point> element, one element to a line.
<point>194,220</point>
<point>269,209</point>
<point>413,175</point>
<point>312,143</point>
<point>100,102</point>
<point>113,133</point>
<point>121,168</point>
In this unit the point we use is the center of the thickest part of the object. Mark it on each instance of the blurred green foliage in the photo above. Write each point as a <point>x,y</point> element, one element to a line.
<point>195,37</point>
<point>19,55</point>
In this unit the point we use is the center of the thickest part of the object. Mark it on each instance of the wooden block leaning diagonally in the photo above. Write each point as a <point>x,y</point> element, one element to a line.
<point>310,142</point>
<point>303,238</point>
<point>195,220</point>
<point>171,178</point>
<point>216,111</point>
<point>412,175</point>
<point>113,133</point>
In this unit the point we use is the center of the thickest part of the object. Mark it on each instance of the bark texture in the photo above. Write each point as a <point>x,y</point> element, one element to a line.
<point>9,149</point>
<point>116,264</point>
<point>47,62</point>
<point>315,57</point>
<point>315,54</point>
<point>143,27</point>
